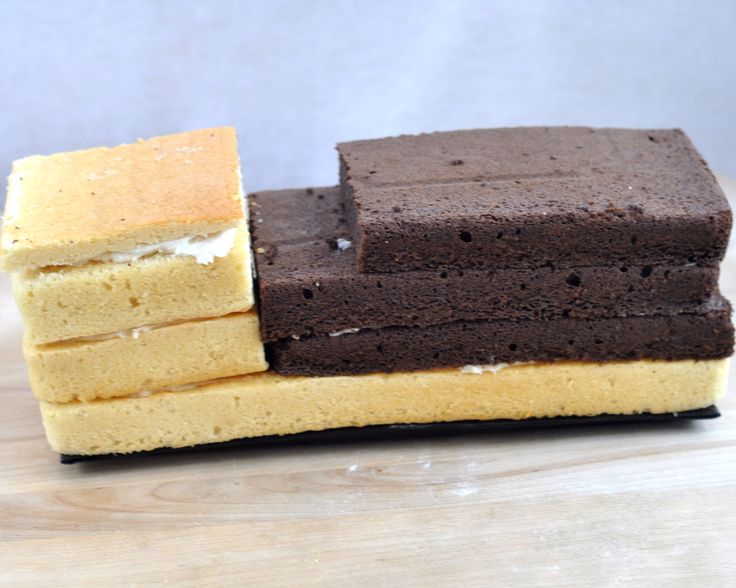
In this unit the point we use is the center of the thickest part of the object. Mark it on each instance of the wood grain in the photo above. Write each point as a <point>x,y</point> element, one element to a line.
<point>607,506</point>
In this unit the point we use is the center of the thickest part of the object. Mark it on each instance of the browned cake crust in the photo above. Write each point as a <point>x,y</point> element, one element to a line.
<point>526,197</point>
<point>69,207</point>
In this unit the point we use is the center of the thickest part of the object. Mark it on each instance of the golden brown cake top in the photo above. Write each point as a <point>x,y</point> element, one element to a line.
<point>70,207</point>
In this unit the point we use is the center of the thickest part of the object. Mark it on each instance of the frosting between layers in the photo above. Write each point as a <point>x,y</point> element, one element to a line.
<point>134,332</point>
<point>203,248</point>
<point>467,369</point>
<point>479,369</point>
<point>343,332</point>
<point>182,388</point>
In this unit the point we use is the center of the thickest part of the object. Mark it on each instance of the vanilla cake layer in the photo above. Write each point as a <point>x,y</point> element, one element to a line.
<point>99,298</point>
<point>70,207</point>
<point>269,404</point>
<point>139,360</point>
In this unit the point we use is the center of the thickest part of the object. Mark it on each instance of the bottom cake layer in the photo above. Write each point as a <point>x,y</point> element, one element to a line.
<point>269,404</point>
<point>414,431</point>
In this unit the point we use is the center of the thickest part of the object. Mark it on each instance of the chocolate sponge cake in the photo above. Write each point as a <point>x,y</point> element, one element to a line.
<point>526,197</point>
<point>705,335</point>
<point>309,283</point>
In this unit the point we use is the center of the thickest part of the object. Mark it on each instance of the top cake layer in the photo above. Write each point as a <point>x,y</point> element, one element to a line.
<point>69,208</point>
<point>526,197</point>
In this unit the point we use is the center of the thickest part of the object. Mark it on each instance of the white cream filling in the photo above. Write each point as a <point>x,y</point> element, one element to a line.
<point>182,388</point>
<point>344,332</point>
<point>344,244</point>
<point>146,393</point>
<point>135,333</point>
<point>203,248</point>
<point>479,369</point>
<point>335,333</point>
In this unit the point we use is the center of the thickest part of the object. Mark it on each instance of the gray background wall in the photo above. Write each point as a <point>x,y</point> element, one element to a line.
<point>297,76</point>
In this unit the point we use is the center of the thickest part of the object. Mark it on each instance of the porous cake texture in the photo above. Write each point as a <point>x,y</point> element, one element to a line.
<point>60,303</point>
<point>143,360</point>
<point>310,284</point>
<point>269,404</point>
<point>70,207</point>
<point>707,334</point>
<point>527,197</point>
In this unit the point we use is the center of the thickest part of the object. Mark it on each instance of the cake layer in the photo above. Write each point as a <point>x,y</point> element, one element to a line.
<point>522,197</point>
<point>143,360</point>
<point>414,431</point>
<point>310,286</point>
<point>268,404</point>
<point>100,298</point>
<point>697,336</point>
<point>71,207</point>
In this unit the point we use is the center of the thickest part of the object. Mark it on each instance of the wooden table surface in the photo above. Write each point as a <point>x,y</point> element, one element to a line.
<point>651,505</point>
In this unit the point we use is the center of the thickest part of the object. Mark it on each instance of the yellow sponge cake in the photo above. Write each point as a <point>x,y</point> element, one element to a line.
<point>73,207</point>
<point>269,404</point>
<point>151,358</point>
<point>59,303</point>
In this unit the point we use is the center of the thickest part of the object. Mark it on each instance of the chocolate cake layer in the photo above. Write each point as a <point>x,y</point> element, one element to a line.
<point>524,197</point>
<point>309,286</point>
<point>707,335</point>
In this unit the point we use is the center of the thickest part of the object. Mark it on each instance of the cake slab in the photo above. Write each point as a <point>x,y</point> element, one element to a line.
<point>268,404</point>
<point>309,283</point>
<point>376,433</point>
<point>68,302</point>
<point>708,334</point>
<point>70,207</point>
<point>145,359</point>
<point>525,197</point>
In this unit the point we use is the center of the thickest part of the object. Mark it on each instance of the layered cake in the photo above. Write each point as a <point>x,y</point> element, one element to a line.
<point>321,316</point>
<point>475,276</point>
<point>104,240</point>
<point>131,267</point>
